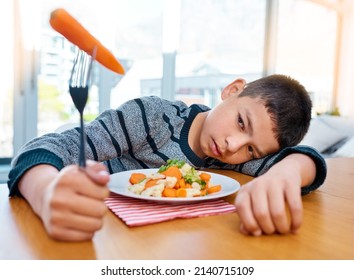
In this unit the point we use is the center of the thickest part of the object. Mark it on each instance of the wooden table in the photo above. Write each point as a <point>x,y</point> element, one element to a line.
<point>327,231</point>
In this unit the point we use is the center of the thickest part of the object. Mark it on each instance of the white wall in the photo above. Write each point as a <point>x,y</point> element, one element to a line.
<point>345,86</point>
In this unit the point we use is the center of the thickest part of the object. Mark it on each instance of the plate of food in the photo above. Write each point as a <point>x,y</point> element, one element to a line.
<point>176,182</point>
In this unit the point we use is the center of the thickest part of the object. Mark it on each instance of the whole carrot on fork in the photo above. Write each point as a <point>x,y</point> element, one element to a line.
<point>71,29</point>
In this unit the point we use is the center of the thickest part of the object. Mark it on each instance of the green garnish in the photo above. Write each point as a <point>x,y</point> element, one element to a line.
<point>172,162</point>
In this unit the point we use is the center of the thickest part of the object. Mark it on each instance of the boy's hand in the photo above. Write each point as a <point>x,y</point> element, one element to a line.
<point>272,202</point>
<point>70,202</point>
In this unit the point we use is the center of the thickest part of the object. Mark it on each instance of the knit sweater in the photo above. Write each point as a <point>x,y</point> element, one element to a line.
<point>141,133</point>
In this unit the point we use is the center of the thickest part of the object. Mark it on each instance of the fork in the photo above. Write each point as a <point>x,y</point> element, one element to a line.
<point>78,88</point>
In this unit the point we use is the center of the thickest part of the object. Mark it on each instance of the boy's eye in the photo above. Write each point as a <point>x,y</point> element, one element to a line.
<point>240,122</point>
<point>251,152</point>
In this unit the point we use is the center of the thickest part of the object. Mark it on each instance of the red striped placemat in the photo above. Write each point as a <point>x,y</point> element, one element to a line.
<point>138,212</point>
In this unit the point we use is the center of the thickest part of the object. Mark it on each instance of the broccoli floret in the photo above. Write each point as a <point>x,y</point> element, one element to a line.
<point>193,176</point>
<point>172,162</point>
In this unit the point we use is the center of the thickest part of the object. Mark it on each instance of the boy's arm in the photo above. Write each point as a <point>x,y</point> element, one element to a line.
<point>109,136</point>
<point>70,202</point>
<point>262,203</point>
<point>261,166</point>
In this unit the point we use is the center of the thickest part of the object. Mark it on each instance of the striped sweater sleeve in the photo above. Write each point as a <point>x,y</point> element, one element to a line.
<point>260,166</point>
<point>112,134</point>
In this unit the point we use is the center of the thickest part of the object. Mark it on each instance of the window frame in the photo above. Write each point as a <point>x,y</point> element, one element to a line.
<point>26,69</point>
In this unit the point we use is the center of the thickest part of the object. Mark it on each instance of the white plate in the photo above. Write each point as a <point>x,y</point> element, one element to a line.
<point>120,181</point>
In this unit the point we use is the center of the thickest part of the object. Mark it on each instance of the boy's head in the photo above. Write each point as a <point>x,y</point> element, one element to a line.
<point>287,103</point>
<point>254,119</point>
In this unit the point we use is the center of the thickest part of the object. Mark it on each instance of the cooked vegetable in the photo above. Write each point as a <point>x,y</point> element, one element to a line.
<point>193,177</point>
<point>172,162</point>
<point>151,183</point>
<point>136,178</point>
<point>213,189</point>
<point>176,179</point>
<point>181,192</point>
<point>205,177</point>
<point>181,183</point>
<point>172,171</point>
<point>72,30</point>
<point>169,192</point>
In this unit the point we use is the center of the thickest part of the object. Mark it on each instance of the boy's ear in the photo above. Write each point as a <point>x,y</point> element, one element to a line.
<point>236,87</point>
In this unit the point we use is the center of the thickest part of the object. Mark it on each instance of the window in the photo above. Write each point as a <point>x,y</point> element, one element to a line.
<point>194,47</point>
<point>306,48</point>
<point>6,74</point>
<point>215,42</point>
<point>36,68</point>
<point>132,34</point>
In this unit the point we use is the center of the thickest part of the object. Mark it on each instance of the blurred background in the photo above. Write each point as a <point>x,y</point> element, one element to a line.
<point>177,49</point>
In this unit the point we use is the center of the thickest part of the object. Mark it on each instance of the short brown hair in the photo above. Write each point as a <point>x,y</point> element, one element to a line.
<point>287,102</point>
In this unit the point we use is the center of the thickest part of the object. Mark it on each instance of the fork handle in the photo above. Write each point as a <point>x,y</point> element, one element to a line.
<point>82,155</point>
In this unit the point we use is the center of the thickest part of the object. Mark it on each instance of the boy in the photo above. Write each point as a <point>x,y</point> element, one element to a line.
<point>253,130</point>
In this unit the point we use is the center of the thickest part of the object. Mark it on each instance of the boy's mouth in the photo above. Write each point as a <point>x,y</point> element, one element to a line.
<point>215,149</point>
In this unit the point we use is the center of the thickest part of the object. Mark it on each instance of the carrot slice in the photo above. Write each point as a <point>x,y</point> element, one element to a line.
<point>136,178</point>
<point>151,183</point>
<point>205,177</point>
<point>173,171</point>
<point>214,189</point>
<point>203,192</point>
<point>169,192</point>
<point>182,183</point>
<point>181,192</point>
<point>71,29</point>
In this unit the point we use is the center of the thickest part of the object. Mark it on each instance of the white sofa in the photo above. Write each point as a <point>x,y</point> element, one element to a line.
<point>332,136</point>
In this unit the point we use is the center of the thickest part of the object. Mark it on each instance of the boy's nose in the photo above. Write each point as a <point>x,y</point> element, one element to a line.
<point>236,143</point>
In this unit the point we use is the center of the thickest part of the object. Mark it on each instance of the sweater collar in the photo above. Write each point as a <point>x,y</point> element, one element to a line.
<point>186,149</point>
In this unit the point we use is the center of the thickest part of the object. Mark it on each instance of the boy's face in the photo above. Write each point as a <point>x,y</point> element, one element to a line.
<point>238,130</point>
